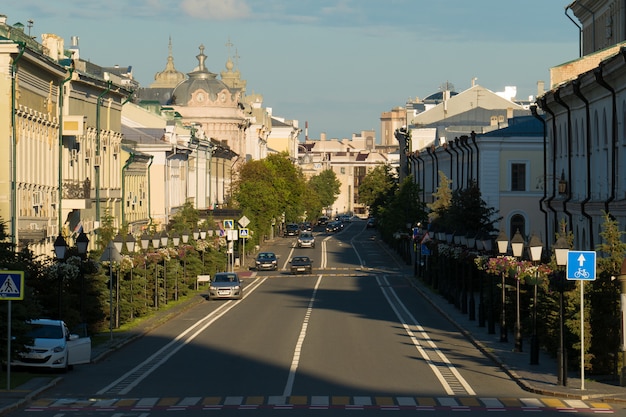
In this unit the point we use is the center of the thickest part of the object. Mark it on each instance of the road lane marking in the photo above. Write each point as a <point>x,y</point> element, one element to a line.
<point>447,374</point>
<point>133,377</point>
<point>298,349</point>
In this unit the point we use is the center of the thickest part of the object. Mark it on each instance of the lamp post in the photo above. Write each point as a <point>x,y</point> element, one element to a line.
<point>503,245</point>
<point>164,240</point>
<point>156,241</point>
<point>145,244</point>
<point>185,238</point>
<point>176,242</point>
<point>82,242</point>
<point>118,241</point>
<point>60,250</point>
<point>110,254</point>
<point>517,246</point>
<point>561,248</point>
<point>470,243</point>
<point>130,247</point>
<point>536,247</point>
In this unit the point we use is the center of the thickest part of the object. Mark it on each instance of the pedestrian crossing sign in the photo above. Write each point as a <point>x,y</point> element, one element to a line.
<point>244,233</point>
<point>11,285</point>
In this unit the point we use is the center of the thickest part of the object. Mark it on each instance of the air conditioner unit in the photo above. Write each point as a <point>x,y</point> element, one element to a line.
<point>74,154</point>
<point>88,154</point>
<point>116,148</point>
<point>97,161</point>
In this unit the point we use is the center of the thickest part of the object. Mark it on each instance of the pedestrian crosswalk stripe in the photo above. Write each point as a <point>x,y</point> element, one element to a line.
<point>322,402</point>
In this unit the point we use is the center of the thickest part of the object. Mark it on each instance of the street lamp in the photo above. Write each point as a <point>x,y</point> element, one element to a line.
<point>175,242</point>
<point>185,238</point>
<point>110,254</point>
<point>82,242</point>
<point>145,244</point>
<point>164,240</point>
<point>130,247</point>
<point>156,241</point>
<point>517,246</point>
<point>60,250</point>
<point>561,248</point>
<point>503,245</point>
<point>118,242</point>
<point>536,247</point>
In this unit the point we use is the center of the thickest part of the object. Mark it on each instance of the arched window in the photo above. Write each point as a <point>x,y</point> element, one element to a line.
<point>517,222</point>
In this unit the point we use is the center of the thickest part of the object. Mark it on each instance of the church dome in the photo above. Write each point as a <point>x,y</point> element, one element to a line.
<point>201,86</point>
<point>169,77</point>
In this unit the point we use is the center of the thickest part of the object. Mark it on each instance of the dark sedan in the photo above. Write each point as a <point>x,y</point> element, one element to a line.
<point>266,261</point>
<point>301,265</point>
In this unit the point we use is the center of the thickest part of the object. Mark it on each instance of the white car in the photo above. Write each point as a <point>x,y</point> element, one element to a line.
<point>54,346</point>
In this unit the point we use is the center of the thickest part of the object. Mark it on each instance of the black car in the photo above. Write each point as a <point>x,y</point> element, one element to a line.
<point>371,223</point>
<point>322,221</point>
<point>292,229</point>
<point>301,265</point>
<point>266,261</point>
<point>334,226</point>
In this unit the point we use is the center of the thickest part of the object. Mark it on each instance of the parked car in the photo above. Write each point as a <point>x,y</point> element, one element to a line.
<point>266,261</point>
<point>306,240</point>
<point>371,223</point>
<point>53,346</point>
<point>292,229</point>
<point>345,218</point>
<point>334,226</point>
<point>301,265</point>
<point>226,285</point>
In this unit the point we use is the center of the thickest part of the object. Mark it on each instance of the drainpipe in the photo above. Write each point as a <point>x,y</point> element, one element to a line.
<point>432,157</point>
<point>447,149</point>
<point>600,79</point>
<point>61,100</point>
<point>580,31</point>
<point>149,193</point>
<point>456,173</point>
<point>459,145</point>
<point>21,48</point>
<point>473,136</point>
<point>568,155</point>
<point>544,106</point>
<point>470,157</point>
<point>423,169</point>
<point>97,167</point>
<point>436,171</point>
<point>130,160</point>
<point>533,109</point>
<point>583,210</point>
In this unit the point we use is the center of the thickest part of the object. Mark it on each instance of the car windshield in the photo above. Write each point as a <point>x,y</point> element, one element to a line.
<point>45,331</point>
<point>266,256</point>
<point>225,278</point>
<point>301,259</point>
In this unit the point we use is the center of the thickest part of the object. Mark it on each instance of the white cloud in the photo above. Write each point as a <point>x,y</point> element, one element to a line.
<point>216,9</point>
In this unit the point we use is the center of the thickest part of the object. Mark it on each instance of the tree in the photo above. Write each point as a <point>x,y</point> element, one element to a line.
<point>404,208</point>
<point>377,187</point>
<point>468,212</point>
<point>326,187</point>
<point>443,200</point>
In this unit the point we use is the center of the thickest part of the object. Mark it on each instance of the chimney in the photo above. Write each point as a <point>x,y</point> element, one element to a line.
<point>541,85</point>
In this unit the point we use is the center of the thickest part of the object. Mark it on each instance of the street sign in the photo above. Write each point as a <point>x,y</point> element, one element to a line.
<point>244,221</point>
<point>229,224</point>
<point>244,233</point>
<point>11,285</point>
<point>581,265</point>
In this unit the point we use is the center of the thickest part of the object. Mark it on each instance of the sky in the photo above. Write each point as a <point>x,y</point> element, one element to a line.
<point>334,65</point>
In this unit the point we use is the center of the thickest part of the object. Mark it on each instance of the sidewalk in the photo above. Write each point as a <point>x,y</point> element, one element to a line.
<point>539,379</point>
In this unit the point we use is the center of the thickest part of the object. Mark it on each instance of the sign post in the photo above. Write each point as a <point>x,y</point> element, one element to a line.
<point>11,288</point>
<point>581,266</point>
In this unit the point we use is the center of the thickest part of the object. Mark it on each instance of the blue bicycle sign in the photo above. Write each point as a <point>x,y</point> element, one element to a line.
<point>581,265</point>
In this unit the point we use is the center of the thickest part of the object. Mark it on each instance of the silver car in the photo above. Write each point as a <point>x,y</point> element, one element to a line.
<point>226,285</point>
<point>306,240</point>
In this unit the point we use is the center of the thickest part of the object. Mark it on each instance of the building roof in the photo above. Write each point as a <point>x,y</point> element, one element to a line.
<point>519,126</point>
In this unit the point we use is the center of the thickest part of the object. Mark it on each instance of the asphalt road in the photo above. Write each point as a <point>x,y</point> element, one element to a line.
<point>353,335</point>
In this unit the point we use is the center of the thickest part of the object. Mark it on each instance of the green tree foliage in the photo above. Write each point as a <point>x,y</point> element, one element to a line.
<point>377,187</point>
<point>403,208</point>
<point>468,212</point>
<point>604,300</point>
<point>443,200</point>
<point>266,189</point>
<point>322,191</point>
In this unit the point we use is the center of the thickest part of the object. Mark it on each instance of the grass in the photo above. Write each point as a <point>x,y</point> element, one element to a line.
<point>19,378</point>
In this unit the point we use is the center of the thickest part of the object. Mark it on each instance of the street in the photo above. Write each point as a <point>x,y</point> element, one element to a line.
<point>353,335</point>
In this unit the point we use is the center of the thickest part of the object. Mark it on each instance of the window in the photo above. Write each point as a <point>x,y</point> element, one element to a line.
<point>518,177</point>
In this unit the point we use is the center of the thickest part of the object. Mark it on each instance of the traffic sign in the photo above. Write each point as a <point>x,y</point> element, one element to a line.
<point>581,265</point>
<point>11,285</point>
<point>244,221</point>
<point>229,224</point>
<point>244,233</point>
